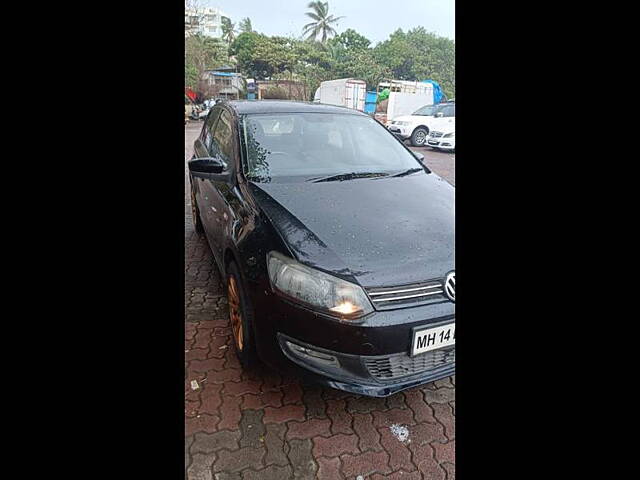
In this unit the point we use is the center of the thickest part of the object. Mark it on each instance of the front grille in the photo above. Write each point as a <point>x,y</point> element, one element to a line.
<point>402,365</point>
<point>436,134</point>
<point>387,298</point>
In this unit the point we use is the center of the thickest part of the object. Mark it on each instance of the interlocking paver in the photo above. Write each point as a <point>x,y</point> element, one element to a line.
<point>301,457</point>
<point>272,472</point>
<point>234,461</point>
<point>329,468</point>
<point>275,443</point>
<point>340,420</point>
<point>200,468</point>
<point>284,414</point>
<point>369,438</point>
<point>260,424</point>
<point>207,443</point>
<point>309,429</point>
<point>399,453</point>
<point>335,445</point>
<point>252,429</point>
<point>365,464</point>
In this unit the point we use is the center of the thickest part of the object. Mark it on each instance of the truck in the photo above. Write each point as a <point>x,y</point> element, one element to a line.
<point>343,92</point>
<point>405,97</point>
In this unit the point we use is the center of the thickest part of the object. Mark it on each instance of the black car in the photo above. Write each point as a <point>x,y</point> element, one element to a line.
<point>336,244</point>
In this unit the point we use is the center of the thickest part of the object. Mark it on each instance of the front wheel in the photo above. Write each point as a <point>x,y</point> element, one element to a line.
<point>419,137</point>
<point>195,213</point>
<point>240,318</point>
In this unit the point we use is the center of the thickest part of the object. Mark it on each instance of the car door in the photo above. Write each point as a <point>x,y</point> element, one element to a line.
<point>450,115</point>
<point>217,190</point>
<point>446,120</point>
<point>202,149</point>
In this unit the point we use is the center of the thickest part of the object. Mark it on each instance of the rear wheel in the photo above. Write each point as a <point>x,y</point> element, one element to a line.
<point>240,318</point>
<point>419,137</point>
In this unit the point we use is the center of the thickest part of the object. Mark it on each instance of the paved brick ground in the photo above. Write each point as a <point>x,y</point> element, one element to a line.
<point>261,425</point>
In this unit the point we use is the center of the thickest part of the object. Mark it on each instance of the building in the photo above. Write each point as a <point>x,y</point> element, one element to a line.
<point>222,84</point>
<point>207,21</point>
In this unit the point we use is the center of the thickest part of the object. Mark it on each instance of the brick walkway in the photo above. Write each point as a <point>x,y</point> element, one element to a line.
<point>261,425</point>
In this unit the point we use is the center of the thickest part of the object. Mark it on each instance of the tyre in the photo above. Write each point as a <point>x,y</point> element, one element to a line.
<point>419,137</point>
<point>195,213</point>
<point>241,318</point>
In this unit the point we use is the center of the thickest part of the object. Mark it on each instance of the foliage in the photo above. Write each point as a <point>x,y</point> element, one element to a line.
<point>419,55</point>
<point>278,93</point>
<point>412,55</point>
<point>202,53</point>
<point>350,40</point>
<point>322,24</point>
<point>190,76</point>
<point>245,25</point>
<point>260,56</point>
<point>228,30</point>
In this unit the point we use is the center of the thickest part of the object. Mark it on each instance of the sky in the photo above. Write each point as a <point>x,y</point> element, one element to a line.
<point>374,20</point>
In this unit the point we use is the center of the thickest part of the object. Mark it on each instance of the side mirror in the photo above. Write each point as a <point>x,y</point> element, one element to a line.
<point>205,166</point>
<point>439,115</point>
<point>419,156</point>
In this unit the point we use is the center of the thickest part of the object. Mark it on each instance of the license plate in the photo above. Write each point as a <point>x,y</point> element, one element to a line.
<point>433,142</point>
<point>427,339</point>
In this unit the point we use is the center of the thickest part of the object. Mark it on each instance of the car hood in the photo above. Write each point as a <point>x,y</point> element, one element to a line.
<point>379,232</point>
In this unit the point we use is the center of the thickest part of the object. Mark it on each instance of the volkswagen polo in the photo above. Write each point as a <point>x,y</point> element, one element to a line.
<point>335,243</point>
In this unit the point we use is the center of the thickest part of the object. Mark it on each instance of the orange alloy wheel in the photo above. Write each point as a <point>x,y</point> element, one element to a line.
<point>235,314</point>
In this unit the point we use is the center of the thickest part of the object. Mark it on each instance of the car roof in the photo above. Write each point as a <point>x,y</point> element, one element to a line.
<point>284,106</point>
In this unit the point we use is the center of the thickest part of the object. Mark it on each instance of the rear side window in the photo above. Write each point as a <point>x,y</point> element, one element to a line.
<point>223,136</point>
<point>208,131</point>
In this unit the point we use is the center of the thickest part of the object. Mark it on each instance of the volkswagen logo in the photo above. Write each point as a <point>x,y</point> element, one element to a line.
<point>450,286</point>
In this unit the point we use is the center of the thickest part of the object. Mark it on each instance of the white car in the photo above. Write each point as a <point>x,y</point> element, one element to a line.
<point>417,126</point>
<point>443,140</point>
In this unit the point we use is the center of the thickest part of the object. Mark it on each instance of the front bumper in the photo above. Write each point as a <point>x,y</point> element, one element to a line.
<point>441,142</point>
<point>367,375</point>
<point>401,131</point>
<point>368,358</point>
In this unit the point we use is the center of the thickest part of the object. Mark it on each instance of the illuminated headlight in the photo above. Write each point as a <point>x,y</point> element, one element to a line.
<point>316,289</point>
<point>449,135</point>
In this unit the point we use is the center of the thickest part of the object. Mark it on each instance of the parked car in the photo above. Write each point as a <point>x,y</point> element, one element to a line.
<point>199,113</point>
<point>416,127</point>
<point>335,244</point>
<point>189,106</point>
<point>445,140</point>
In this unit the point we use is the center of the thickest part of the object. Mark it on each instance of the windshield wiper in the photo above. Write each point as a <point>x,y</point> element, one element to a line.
<point>347,176</point>
<point>408,172</point>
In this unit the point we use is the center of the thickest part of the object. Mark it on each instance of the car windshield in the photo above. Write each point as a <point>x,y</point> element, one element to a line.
<point>312,146</point>
<point>428,110</point>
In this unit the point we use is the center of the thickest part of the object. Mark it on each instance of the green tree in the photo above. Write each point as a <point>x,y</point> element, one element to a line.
<point>322,24</point>
<point>260,56</point>
<point>202,53</point>
<point>228,30</point>
<point>350,40</point>
<point>245,25</point>
<point>419,55</point>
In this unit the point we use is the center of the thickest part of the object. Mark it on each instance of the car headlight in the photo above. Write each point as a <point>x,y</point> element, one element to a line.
<point>449,135</point>
<point>316,289</point>
<point>400,123</point>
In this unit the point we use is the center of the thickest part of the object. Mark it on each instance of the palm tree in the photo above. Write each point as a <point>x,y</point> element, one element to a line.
<point>228,30</point>
<point>245,25</point>
<point>322,21</point>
